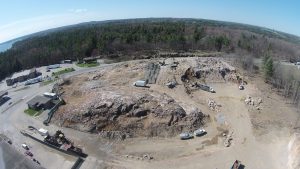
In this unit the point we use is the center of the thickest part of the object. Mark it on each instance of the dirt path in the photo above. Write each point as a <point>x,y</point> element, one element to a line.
<point>174,153</point>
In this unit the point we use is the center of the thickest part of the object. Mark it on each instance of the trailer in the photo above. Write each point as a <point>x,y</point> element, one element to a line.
<point>204,87</point>
<point>140,83</point>
<point>50,95</point>
<point>43,132</point>
<point>34,80</point>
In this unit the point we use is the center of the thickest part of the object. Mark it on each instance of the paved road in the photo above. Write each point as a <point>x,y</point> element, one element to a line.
<point>13,119</point>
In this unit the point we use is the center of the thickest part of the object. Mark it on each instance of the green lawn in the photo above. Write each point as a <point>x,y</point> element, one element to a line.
<point>94,64</point>
<point>66,70</point>
<point>44,83</point>
<point>32,112</point>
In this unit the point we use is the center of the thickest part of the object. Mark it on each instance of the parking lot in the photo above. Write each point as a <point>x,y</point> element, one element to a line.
<point>13,119</point>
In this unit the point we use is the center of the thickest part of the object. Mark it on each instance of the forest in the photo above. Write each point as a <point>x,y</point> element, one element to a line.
<point>120,38</point>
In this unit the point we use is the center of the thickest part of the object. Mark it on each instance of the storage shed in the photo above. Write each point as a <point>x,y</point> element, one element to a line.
<point>40,102</point>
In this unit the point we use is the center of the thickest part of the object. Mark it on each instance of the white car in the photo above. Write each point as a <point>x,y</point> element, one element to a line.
<point>199,132</point>
<point>185,136</point>
<point>25,146</point>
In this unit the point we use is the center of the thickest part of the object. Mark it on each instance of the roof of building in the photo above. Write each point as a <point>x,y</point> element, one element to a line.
<point>49,94</point>
<point>22,73</point>
<point>53,66</point>
<point>32,70</point>
<point>90,58</point>
<point>37,100</point>
<point>12,158</point>
<point>2,93</point>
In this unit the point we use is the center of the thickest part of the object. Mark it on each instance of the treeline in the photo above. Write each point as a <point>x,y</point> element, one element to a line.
<point>125,37</point>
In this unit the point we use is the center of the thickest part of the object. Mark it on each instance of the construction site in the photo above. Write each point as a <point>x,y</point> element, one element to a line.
<point>185,112</point>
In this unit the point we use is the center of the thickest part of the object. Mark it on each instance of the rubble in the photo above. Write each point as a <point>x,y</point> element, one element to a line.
<point>116,114</point>
<point>213,105</point>
<point>253,101</point>
<point>142,157</point>
<point>228,139</point>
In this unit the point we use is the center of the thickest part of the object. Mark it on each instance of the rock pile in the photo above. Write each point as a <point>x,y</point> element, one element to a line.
<point>143,157</point>
<point>134,114</point>
<point>213,105</point>
<point>253,101</point>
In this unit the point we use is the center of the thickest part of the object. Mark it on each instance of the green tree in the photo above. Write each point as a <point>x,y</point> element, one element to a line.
<point>268,65</point>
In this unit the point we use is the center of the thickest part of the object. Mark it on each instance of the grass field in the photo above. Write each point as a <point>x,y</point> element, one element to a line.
<point>32,112</point>
<point>44,83</point>
<point>66,70</point>
<point>94,64</point>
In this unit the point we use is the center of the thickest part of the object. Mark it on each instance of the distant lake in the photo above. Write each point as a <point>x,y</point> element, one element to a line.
<point>7,45</point>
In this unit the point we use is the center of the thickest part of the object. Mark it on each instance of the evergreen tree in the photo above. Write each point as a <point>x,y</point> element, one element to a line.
<point>268,67</point>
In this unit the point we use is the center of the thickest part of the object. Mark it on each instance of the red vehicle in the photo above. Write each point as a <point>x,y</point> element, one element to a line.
<point>236,164</point>
<point>28,153</point>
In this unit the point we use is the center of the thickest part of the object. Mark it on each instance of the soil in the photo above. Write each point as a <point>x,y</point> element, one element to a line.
<point>257,135</point>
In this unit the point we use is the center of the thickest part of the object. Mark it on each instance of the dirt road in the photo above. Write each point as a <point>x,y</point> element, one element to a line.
<point>209,151</point>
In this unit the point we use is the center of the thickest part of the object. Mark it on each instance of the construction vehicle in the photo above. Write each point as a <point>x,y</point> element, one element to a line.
<point>236,164</point>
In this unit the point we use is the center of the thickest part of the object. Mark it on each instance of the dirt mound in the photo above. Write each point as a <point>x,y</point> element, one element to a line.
<point>294,152</point>
<point>134,114</point>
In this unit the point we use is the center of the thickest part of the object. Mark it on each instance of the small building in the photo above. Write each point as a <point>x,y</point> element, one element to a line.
<point>34,80</point>
<point>140,83</point>
<point>3,93</point>
<point>53,66</point>
<point>90,60</point>
<point>23,76</point>
<point>43,132</point>
<point>66,62</point>
<point>40,102</point>
<point>33,73</point>
<point>3,97</point>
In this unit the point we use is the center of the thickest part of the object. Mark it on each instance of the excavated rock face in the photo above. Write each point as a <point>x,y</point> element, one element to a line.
<point>136,114</point>
<point>210,70</point>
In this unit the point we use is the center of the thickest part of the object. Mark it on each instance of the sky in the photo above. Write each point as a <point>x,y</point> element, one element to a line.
<point>23,17</point>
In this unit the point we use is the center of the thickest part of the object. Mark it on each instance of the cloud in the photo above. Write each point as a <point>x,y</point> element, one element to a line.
<point>28,26</point>
<point>77,10</point>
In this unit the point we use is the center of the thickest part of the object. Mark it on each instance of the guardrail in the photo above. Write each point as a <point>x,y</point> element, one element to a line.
<point>52,111</point>
<point>77,163</point>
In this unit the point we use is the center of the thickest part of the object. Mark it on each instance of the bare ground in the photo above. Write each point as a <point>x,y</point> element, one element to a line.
<point>260,136</point>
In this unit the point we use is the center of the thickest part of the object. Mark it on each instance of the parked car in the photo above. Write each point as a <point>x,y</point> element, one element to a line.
<point>199,132</point>
<point>36,161</point>
<point>9,141</point>
<point>28,153</point>
<point>186,136</point>
<point>31,128</point>
<point>241,87</point>
<point>25,146</point>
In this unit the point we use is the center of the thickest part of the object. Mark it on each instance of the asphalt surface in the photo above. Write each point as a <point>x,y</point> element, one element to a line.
<point>10,158</point>
<point>13,119</point>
